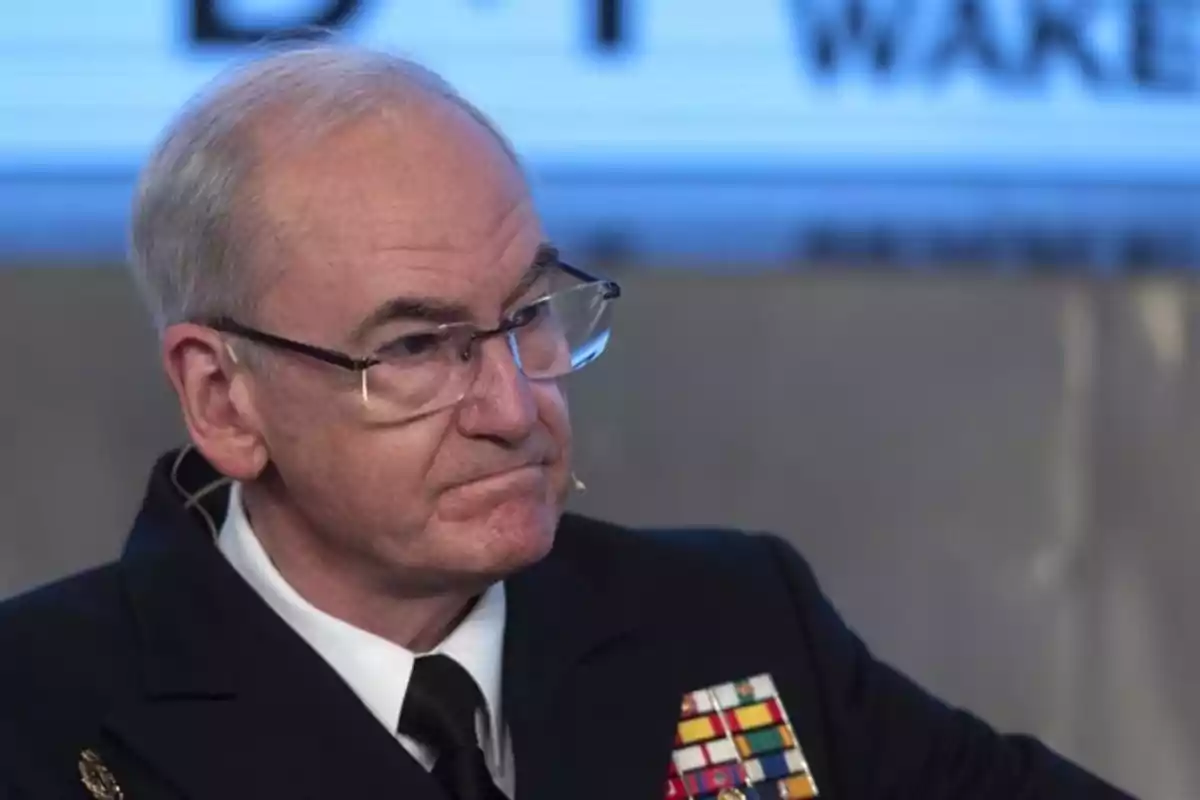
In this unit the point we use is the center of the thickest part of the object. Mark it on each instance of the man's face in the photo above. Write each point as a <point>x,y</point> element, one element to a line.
<point>432,211</point>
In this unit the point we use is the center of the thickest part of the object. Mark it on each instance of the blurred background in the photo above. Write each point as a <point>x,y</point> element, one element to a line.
<point>908,282</point>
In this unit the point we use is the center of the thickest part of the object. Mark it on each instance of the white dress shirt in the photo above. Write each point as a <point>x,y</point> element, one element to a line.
<point>377,670</point>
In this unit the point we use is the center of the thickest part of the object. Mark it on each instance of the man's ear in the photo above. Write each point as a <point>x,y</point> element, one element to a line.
<point>216,400</point>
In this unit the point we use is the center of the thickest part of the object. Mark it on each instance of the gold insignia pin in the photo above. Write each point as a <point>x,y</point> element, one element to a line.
<point>731,794</point>
<point>97,779</point>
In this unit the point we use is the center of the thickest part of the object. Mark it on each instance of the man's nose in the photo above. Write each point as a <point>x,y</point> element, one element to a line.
<point>500,403</point>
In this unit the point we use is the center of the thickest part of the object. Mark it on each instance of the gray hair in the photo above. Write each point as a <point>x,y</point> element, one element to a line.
<point>190,239</point>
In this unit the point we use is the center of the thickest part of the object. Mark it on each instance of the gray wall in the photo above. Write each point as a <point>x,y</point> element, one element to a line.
<point>993,477</point>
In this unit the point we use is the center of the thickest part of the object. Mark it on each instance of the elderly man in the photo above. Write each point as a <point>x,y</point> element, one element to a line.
<point>357,580</point>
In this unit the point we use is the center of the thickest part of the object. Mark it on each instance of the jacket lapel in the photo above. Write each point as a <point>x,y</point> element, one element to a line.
<point>234,704</point>
<point>589,693</point>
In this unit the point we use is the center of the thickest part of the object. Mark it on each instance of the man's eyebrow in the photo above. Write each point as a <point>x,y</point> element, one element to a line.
<point>420,309</point>
<point>442,312</point>
<point>545,261</point>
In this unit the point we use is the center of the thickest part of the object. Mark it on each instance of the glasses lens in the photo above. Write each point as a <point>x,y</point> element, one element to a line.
<point>419,373</point>
<point>564,331</point>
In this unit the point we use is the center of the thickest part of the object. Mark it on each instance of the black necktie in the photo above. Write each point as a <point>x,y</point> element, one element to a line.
<point>439,710</point>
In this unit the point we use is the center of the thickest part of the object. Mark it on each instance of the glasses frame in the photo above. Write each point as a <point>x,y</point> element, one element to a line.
<point>612,290</point>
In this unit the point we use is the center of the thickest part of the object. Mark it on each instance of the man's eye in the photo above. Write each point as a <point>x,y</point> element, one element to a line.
<point>528,314</point>
<point>414,345</point>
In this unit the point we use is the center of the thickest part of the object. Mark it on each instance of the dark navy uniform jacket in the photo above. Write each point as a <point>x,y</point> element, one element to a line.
<point>183,683</point>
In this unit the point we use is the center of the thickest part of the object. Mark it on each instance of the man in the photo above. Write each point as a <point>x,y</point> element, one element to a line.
<point>357,581</point>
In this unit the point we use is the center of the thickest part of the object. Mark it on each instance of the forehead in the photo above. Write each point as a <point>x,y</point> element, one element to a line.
<point>422,201</point>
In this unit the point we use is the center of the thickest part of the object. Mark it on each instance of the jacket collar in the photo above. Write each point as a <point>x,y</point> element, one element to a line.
<point>183,590</point>
<point>227,686</point>
<point>206,636</point>
<point>180,588</point>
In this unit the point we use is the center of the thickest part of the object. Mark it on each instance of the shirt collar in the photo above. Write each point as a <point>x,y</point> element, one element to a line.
<point>377,670</point>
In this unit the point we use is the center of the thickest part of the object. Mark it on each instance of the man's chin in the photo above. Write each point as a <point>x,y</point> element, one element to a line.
<point>506,537</point>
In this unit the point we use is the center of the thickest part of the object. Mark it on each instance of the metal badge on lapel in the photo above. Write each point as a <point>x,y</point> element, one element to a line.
<point>97,779</point>
<point>735,742</point>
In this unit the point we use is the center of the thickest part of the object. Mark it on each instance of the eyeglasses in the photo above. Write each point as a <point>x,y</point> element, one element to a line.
<point>420,373</point>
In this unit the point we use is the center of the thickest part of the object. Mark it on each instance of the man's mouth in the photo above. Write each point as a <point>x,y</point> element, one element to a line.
<point>511,475</point>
